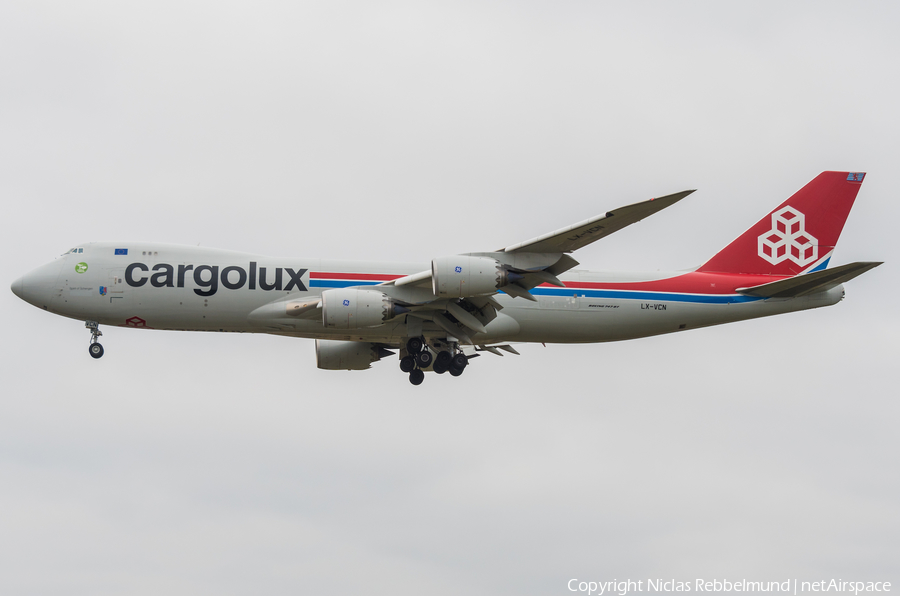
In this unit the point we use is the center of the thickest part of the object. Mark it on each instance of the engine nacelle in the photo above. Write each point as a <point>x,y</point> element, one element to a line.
<point>347,355</point>
<point>462,276</point>
<point>353,308</point>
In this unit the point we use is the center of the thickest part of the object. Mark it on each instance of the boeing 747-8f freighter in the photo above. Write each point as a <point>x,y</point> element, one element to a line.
<point>439,317</point>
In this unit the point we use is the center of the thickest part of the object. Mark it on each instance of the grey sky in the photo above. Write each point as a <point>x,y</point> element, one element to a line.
<point>228,464</point>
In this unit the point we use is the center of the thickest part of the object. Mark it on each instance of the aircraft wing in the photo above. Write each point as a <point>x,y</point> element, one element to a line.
<point>456,294</point>
<point>569,239</point>
<point>583,233</point>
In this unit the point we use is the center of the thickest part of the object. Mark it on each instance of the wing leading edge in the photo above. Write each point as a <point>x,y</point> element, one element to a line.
<point>590,230</point>
<point>571,238</point>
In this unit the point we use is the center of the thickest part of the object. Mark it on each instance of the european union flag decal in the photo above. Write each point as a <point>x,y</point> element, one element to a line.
<point>121,251</point>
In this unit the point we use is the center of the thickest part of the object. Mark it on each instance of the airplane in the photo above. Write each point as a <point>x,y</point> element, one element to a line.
<point>438,318</point>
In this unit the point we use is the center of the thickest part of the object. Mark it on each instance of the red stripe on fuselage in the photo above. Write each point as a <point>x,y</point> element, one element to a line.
<point>354,276</point>
<point>688,283</point>
<point>694,282</point>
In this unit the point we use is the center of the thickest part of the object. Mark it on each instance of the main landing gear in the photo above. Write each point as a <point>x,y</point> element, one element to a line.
<point>95,349</point>
<point>419,357</point>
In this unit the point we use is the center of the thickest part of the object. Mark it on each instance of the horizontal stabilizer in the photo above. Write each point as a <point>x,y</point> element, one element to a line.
<point>809,283</point>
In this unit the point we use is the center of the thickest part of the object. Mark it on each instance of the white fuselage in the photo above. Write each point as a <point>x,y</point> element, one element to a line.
<point>201,289</point>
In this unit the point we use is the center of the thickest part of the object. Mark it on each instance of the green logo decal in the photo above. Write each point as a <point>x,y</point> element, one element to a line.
<point>80,267</point>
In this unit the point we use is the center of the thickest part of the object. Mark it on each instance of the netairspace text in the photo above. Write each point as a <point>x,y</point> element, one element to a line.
<point>791,586</point>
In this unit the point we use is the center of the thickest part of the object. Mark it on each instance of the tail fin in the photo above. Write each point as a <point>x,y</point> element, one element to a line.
<point>797,237</point>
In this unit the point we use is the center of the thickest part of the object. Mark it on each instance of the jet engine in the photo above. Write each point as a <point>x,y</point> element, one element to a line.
<point>347,355</point>
<point>353,308</point>
<point>462,276</point>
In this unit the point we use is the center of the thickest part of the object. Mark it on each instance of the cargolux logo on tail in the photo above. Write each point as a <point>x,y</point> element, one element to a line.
<point>788,239</point>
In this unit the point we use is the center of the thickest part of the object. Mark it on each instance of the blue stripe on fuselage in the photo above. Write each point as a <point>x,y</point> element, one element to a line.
<point>339,283</point>
<point>618,294</point>
<point>659,296</point>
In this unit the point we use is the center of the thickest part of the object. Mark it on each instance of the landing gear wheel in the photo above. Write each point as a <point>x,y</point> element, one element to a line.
<point>414,345</point>
<point>95,349</point>
<point>442,362</point>
<point>458,364</point>
<point>407,364</point>
<point>416,377</point>
<point>424,358</point>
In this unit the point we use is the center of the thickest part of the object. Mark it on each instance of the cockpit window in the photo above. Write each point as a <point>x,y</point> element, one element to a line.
<point>73,251</point>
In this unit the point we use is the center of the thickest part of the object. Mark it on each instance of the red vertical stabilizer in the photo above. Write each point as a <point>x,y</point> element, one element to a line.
<point>799,235</point>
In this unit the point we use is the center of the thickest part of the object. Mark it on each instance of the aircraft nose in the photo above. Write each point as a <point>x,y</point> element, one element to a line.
<point>18,287</point>
<point>36,287</point>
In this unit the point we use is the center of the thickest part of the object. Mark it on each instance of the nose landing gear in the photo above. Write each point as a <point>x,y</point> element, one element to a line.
<point>94,349</point>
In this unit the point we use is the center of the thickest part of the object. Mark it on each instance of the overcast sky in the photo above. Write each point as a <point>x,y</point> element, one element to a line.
<point>228,464</point>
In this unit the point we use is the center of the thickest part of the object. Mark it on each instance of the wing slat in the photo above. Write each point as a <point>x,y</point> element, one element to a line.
<point>590,230</point>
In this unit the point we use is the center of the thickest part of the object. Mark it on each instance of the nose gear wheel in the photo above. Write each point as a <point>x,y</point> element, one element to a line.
<point>94,349</point>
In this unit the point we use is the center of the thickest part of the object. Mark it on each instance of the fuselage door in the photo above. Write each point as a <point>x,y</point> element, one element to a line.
<point>115,289</point>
